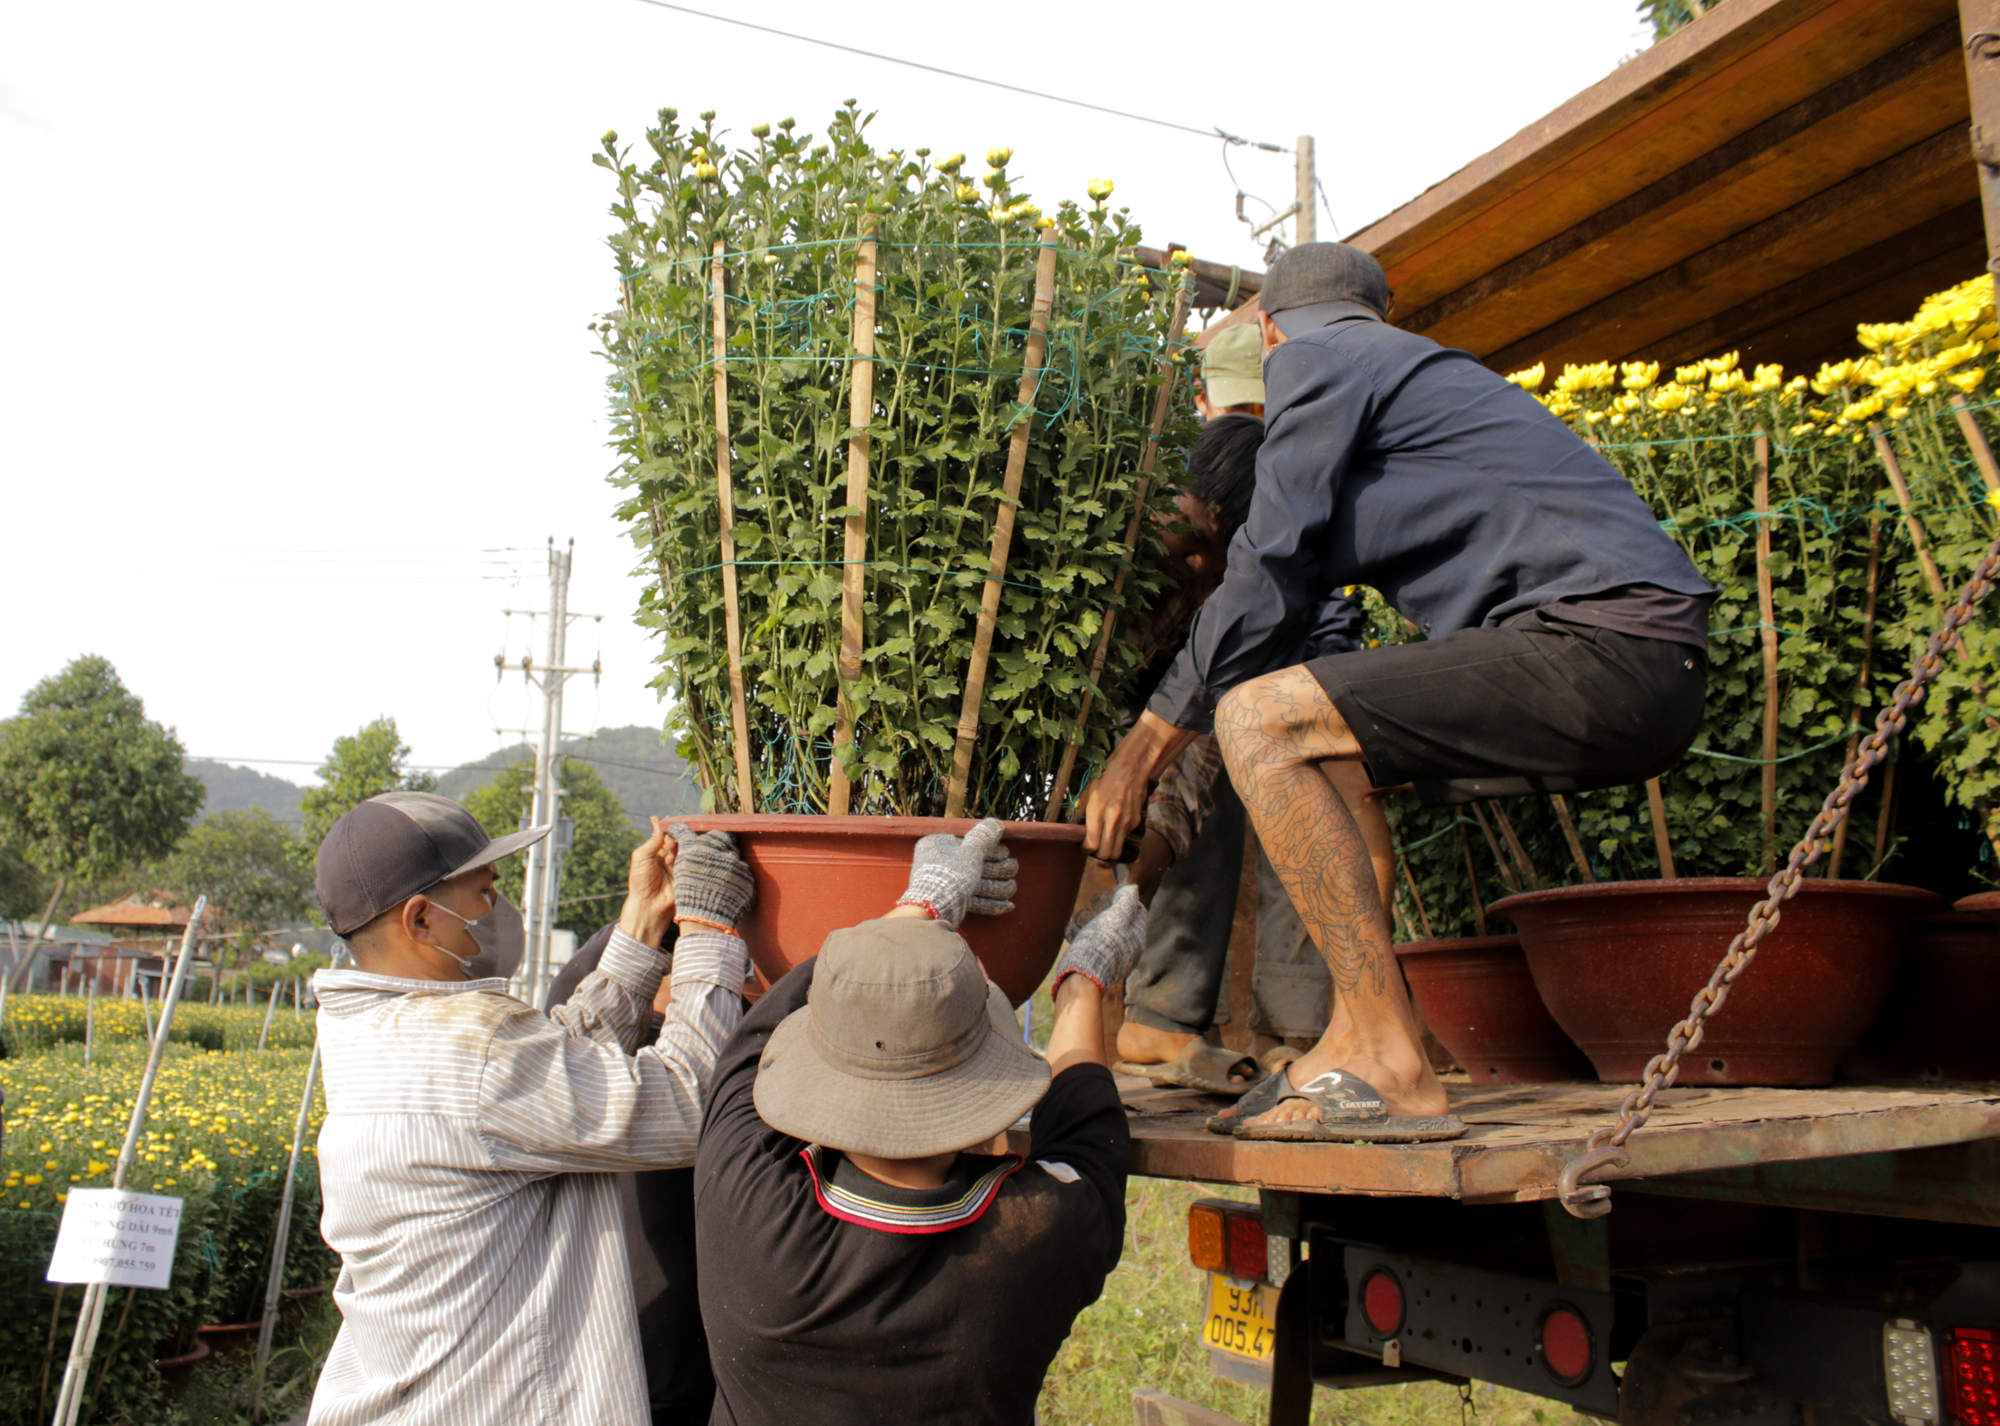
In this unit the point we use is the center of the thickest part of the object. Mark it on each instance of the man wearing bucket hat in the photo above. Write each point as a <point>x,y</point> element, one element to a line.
<point>863,1259</point>
<point>468,1155</point>
<point>1232,374</point>
<point>1566,649</point>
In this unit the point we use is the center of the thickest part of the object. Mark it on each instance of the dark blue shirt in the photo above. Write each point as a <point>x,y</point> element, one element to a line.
<point>1393,462</point>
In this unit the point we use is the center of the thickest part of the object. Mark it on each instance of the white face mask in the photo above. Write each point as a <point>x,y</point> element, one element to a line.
<point>500,936</point>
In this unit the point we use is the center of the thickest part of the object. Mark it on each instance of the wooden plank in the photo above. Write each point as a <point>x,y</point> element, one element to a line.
<point>1156,1408</point>
<point>1756,61</point>
<point>1924,180</point>
<point>1868,116</point>
<point>1947,1183</point>
<point>1788,323</point>
<point>1520,1138</point>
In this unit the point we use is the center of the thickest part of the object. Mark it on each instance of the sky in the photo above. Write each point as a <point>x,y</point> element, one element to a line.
<point>295,381</point>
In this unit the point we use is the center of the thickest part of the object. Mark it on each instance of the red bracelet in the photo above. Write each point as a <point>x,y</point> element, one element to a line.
<point>924,906</point>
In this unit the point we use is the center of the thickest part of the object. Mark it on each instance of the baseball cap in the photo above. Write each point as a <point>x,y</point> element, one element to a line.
<point>393,846</point>
<point>1317,283</point>
<point>899,1050</point>
<point>1232,366</point>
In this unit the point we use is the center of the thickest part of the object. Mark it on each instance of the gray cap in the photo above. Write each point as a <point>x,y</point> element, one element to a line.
<point>391,847</point>
<point>898,1051</point>
<point>1333,276</point>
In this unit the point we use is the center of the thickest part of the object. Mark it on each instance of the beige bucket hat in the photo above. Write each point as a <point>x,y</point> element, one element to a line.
<point>1232,367</point>
<point>902,1049</point>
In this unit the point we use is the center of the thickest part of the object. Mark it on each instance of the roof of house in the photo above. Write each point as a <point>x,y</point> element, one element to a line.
<point>1763,179</point>
<point>137,909</point>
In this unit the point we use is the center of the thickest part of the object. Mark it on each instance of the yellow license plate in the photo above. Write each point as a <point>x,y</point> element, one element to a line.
<point>1239,1318</point>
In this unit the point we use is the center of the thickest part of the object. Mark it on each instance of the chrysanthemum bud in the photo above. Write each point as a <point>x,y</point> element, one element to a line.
<point>996,179</point>
<point>967,193</point>
<point>704,171</point>
<point>708,116</point>
<point>788,124</point>
<point>1099,189</point>
<point>952,164</point>
<point>998,156</point>
<point>610,137</point>
<point>760,131</point>
<point>669,114</point>
<point>820,150</point>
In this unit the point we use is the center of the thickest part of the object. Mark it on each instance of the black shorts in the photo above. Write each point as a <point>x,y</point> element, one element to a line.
<point>1538,706</point>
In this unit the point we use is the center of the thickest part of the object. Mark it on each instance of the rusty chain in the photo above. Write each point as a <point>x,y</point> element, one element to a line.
<point>1605,1147</point>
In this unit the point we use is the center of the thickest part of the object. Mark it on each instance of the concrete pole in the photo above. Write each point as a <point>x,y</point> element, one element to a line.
<point>1307,225</point>
<point>553,735</point>
<point>1979,27</point>
<point>531,887</point>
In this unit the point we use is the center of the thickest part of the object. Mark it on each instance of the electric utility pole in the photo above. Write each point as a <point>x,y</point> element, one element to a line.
<point>539,886</point>
<point>1306,229</point>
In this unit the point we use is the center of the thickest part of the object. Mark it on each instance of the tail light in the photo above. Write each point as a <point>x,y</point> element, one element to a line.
<point>1973,1366</point>
<point>1382,1302</point>
<point>1567,1350</point>
<point>1227,1237</point>
<point>1208,1237</point>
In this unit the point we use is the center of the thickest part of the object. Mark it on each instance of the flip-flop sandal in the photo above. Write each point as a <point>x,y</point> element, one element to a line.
<point>1261,1099</point>
<point>1207,1067</point>
<point>1349,1109</point>
<point>1200,1065</point>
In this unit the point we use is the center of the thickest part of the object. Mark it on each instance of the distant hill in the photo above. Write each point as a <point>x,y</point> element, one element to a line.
<point>230,789</point>
<point>646,776</point>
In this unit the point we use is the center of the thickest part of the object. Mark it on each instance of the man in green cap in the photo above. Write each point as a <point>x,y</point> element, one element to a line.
<point>1232,374</point>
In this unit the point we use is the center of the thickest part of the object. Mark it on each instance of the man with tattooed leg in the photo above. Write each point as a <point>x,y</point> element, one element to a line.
<point>1566,649</point>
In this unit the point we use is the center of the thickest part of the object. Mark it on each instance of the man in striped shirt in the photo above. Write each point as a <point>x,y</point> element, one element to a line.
<point>468,1156</point>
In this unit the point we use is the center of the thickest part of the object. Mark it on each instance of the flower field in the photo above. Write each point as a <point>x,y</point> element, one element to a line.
<point>38,1022</point>
<point>218,1136</point>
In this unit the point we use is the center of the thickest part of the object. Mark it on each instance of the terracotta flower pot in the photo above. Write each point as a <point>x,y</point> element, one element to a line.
<point>1939,1020</point>
<point>818,874</point>
<point>1478,998</point>
<point>175,1371</point>
<point>1618,964</point>
<point>1986,903</point>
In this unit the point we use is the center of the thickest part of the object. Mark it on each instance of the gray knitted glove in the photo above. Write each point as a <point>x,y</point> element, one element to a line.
<point>953,875</point>
<point>712,882</point>
<point>1106,947</point>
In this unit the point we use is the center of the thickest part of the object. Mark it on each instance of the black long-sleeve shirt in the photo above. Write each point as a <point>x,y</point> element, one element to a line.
<point>1393,462</point>
<point>815,1314</point>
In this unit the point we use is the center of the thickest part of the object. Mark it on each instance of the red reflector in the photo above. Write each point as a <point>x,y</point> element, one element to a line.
<point>1975,1376</point>
<point>1382,1301</point>
<point>1566,1345</point>
<point>1249,1252</point>
<point>1207,1249</point>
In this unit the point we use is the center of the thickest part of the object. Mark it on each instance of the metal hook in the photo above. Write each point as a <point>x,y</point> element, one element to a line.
<point>1589,1200</point>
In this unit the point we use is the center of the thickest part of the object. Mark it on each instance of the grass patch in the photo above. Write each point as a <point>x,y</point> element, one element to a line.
<point>1145,1331</point>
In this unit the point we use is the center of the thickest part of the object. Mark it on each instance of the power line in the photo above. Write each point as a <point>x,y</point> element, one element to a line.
<point>1208,133</point>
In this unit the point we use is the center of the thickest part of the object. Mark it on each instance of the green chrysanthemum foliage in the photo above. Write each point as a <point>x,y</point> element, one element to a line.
<point>956,264</point>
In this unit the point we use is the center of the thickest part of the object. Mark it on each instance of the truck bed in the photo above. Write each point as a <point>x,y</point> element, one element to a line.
<point>1521,1136</point>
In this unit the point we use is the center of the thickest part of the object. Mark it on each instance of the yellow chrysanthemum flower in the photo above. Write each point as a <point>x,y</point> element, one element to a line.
<point>1529,378</point>
<point>1966,380</point>
<point>1638,375</point>
<point>1717,365</point>
<point>1672,397</point>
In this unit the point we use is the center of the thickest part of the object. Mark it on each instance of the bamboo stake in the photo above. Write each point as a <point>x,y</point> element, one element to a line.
<point>270,1009</point>
<point>1570,836</point>
<point>1162,402</point>
<point>1472,882</point>
<point>1976,438</point>
<point>90,1317</point>
<point>1884,820</point>
<point>1416,896</point>
<point>117,1336</point>
<point>89,1017</point>
<point>1767,611</point>
<point>1520,853</point>
<point>1854,716</point>
<point>1507,877</point>
<point>1887,454</point>
<point>853,576</point>
<point>1003,528</point>
<point>1656,801</point>
<point>49,1352</point>
<point>280,1238</point>
<point>732,619</point>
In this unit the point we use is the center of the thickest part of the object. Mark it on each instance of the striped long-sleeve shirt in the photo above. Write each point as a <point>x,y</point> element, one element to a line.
<point>467,1165</point>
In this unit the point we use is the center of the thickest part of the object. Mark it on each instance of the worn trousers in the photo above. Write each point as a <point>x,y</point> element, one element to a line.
<point>1181,983</point>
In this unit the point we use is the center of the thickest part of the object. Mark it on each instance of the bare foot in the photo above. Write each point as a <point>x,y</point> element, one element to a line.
<point>1143,1045</point>
<point>1400,1072</point>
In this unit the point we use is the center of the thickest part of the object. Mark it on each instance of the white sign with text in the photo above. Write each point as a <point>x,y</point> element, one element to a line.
<point>115,1237</point>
